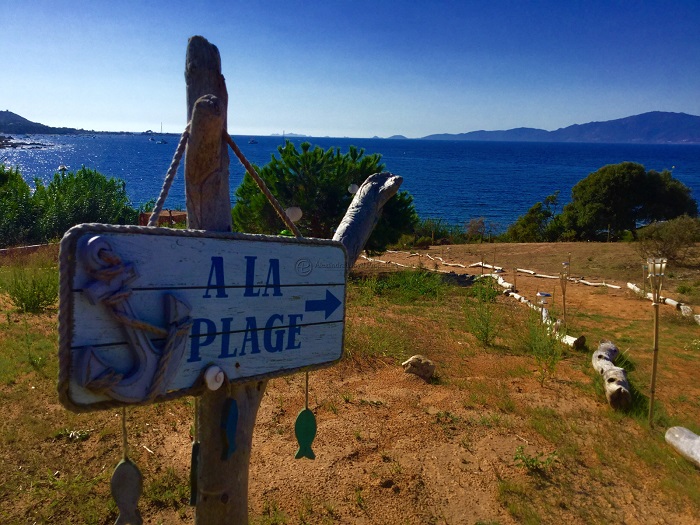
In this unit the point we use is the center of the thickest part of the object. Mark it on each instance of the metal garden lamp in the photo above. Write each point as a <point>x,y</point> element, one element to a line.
<point>542,296</point>
<point>656,268</point>
<point>564,278</point>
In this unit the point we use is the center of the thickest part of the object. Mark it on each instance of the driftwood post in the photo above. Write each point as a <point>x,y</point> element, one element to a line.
<point>221,486</point>
<point>221,494</point>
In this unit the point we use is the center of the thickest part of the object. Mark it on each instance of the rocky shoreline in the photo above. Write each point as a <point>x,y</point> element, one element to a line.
<point>7,142</point>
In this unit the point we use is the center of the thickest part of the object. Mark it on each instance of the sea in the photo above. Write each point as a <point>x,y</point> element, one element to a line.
<point>453,181</point>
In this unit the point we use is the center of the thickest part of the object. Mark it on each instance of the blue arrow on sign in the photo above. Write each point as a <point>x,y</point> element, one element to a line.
<point>329,304</point>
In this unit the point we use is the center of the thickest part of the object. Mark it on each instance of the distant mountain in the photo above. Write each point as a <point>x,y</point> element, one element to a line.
<point>14,124</point>
<point>293,135</point>
<point>656,127</point>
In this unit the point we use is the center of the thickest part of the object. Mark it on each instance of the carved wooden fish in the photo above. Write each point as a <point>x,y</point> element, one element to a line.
<point>229,424</point>
<point>126,486</point>
<point>305,431</point>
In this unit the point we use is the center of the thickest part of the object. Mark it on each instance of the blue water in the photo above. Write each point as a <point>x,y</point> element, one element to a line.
<point>452,180</point>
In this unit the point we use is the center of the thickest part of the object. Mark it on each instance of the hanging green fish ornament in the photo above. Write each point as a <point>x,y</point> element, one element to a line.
<point>305,431</point>
<point>126,486</point>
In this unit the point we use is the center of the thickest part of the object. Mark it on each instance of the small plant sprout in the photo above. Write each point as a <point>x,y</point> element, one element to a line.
<point>536,463</point>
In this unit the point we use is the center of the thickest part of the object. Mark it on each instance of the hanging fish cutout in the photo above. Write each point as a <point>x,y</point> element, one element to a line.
<point>305,431</point>
<point>126,485</point>
<point>229,423</point>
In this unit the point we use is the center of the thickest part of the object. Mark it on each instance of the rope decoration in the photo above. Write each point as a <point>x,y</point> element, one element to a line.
<point>263,187</point>
<point>172,170</point>
<point>169,177</point>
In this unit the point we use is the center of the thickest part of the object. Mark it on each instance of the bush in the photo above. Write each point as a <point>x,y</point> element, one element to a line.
<point>438,231</point>
<point>545,348</point>
<point>317,181</point>
<point>18,223</point>
<point>83,196</point>
<point>483,315</point>
<point>33,289</point>
<point>675,239</point>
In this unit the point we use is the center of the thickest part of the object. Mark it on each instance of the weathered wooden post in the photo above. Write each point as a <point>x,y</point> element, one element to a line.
<point>221,488</point>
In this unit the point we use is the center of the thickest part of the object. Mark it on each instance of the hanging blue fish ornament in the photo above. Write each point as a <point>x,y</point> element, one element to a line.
<point>305,431</point>
<point>126,486</point>
<point>229,424</point>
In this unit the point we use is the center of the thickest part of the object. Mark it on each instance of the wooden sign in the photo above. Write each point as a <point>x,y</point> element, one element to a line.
<point>146,312</point>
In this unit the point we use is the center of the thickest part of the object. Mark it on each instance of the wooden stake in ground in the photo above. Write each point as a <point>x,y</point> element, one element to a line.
<point>221,489</point>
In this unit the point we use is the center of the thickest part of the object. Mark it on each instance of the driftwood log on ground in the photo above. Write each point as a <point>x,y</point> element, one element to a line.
<point>686,443</point>
<point>617,388</point>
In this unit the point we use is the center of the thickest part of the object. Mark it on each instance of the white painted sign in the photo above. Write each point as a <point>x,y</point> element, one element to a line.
<point>148,310</point>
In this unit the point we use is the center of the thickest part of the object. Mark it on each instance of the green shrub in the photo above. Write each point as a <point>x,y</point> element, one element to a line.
<point>674,239</point>
<point>533,463</point>
<point>17,210</point>
<point>483,314</point>
<point>317,181</point>
<point>33,289</point>
<point>544,346</point>
<point>83,196</point>
<point>437,231</point>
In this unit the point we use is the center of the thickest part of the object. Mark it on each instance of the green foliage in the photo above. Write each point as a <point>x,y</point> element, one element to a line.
<point>33,289</point>
<point>483,314</point>
<point>72,198</point>
<point>167,490</point>
<point>545,348</point>
<point>533,463</point>
<point>674,239</point>
<point>437,231</point>
<point>540,224</point>
<point>618,197</point>
<point>408,286</point>
<point>317,181</point>
<point>17,209</point>
<point>78,197</point>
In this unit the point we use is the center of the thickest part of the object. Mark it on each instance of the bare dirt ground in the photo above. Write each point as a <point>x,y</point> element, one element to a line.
<point>392,449</point>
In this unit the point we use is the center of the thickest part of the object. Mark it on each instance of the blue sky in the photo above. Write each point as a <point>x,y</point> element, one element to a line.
<point>352,68</point>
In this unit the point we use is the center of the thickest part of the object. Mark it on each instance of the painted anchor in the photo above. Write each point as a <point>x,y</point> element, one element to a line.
<point>149,372</point>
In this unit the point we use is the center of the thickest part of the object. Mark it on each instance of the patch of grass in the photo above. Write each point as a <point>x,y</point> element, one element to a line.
<point>28,345</point>
<point>360,499</point>
<point>408,286</point>
<point>517,499</point>
<point>271,515</point>
<point>167,490</point>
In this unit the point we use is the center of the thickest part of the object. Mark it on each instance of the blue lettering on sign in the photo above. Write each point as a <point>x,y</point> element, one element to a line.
<point>279,334</point>
<point>216,280</point>
<point>205,331</point>
<point>273,278</point>
<point>251,334</point>
<point>209,336</point>
<point>217,271</point>
<point>294,330</point>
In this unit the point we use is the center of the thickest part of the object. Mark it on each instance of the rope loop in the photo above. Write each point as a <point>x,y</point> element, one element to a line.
<point>169,177</point>
<point>263,187</point>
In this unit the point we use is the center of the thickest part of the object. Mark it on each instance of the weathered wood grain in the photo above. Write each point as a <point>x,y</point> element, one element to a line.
<point>364,212</point>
